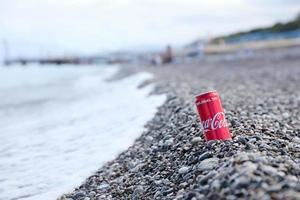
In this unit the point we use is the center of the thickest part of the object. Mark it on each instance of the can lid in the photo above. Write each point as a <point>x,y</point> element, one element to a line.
<point>210,91</point>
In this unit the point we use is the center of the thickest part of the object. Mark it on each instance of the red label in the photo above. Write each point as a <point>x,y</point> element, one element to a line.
<point>212,116</point>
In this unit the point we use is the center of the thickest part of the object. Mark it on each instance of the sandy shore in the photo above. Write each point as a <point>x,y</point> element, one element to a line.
<point>170,160</point>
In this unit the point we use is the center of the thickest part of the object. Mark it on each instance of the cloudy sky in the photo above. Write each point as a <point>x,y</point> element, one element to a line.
<point>49,27</point>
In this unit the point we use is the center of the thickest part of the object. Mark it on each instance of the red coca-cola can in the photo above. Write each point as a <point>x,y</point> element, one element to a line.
<point>212,116</point>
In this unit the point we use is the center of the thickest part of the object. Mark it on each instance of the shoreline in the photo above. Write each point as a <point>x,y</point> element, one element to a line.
<point>170,160</point>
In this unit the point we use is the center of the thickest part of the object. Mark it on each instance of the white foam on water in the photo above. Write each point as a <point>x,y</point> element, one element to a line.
<point>58,125</point>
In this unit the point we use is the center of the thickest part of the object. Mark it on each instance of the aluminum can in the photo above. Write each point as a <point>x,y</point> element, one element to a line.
<point>212,116</point>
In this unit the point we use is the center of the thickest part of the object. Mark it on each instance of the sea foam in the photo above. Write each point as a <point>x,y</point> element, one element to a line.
<point>58,125</point>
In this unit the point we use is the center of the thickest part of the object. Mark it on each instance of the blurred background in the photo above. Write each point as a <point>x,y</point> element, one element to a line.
<point>126,30</point>
<point>62,121</point>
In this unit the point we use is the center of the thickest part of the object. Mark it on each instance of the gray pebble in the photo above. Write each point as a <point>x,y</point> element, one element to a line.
<point>103,186</point>
<point>204,156</point>
<point>296,140</point>
<point>169,142</point>
<point>79,196</point>
<point>183,170</point>
<point>149,138</point>
<point>195,140</point>
<point>208,164</point>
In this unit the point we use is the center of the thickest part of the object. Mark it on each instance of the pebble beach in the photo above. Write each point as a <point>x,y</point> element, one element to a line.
<point>171,160</point>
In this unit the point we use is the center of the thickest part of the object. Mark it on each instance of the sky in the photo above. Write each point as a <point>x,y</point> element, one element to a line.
<point>56,27</point>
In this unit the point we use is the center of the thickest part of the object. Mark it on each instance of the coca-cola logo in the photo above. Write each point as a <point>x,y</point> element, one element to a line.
<point>216,122</point>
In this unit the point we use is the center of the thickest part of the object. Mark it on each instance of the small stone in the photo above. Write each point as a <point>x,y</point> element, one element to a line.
<point>241,182</point>
<point>291,178</point>
<point>252,140</point>
<point>215,184</point>
<point>296,140</point>
<point>136,168</point>
<point>208,164</point>
<point>157,195</point>
<point>103,186</point>
<point>79,196</point>
<point>183,170</point>
<point>242,140</point>
<point>274,188</point>
<point>248,167</point>
<point>92,193</point>
<point>204,156</point>
<point>210,143</point>
<point>242,157</point>
<point>149,138</point>
<point>139,189</point>
<point>182,185</point>
<point>205,178</point>
<point>193,195</point>
<point>233,123</point>
<point>269,170</point>
<point>169,142</point>
<point>285,115</point>
<point>195,140</point>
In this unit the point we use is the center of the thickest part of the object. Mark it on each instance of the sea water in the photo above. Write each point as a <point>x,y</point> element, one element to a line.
<point>58,125</point>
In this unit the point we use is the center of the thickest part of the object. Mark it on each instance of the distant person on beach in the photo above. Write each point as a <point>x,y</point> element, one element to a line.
<point>163,58</point>
<point>168,55</point>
